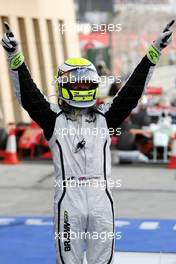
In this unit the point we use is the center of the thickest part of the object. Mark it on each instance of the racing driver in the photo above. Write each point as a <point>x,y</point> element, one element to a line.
<point>79,154</point>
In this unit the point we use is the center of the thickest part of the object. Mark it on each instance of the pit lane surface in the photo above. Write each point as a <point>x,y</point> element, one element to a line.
<point>147,198</point>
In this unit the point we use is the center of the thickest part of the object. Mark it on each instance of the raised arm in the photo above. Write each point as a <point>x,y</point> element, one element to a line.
<point>128,96</point>
<point>27,93</point>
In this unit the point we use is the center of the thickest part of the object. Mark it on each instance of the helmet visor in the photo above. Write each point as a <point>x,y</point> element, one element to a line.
<point>83,75</point>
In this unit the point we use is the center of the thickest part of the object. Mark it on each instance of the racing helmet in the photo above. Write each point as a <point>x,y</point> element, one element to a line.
<point>77,82</point>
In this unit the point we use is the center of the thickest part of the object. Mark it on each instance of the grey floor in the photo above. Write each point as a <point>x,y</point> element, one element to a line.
<point>146,192</point>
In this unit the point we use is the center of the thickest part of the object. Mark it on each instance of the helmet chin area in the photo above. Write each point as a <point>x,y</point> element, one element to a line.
<point>80,104</point>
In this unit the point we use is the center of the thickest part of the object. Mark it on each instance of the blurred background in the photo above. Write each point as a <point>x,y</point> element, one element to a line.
<point>114,35</point>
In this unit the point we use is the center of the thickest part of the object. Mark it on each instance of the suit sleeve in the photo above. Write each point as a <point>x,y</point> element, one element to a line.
<point>33,101</point>
<point>130,93</point>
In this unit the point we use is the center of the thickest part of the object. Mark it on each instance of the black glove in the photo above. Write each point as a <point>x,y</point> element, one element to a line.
<point>11,46</point>
<point>163,40</point>
<point>8,41</point>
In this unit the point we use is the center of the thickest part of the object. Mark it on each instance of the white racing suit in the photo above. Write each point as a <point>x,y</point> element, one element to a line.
<point>81,158</point>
